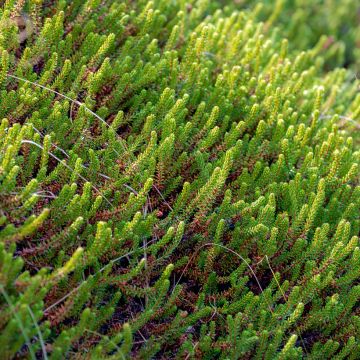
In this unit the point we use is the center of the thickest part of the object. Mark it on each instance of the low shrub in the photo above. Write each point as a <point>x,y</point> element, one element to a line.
<point>176,181</point>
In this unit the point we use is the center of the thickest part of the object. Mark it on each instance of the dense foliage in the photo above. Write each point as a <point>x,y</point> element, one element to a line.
<point>332,24</point>
<point>178,180</point>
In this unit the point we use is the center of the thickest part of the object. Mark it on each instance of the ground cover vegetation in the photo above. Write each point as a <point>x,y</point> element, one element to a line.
<point>179,179</point>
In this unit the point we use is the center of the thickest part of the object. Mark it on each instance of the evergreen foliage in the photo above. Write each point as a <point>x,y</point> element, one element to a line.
<point>178,180</point>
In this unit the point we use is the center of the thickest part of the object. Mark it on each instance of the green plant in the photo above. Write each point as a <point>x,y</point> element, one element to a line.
<point>174,183</point>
